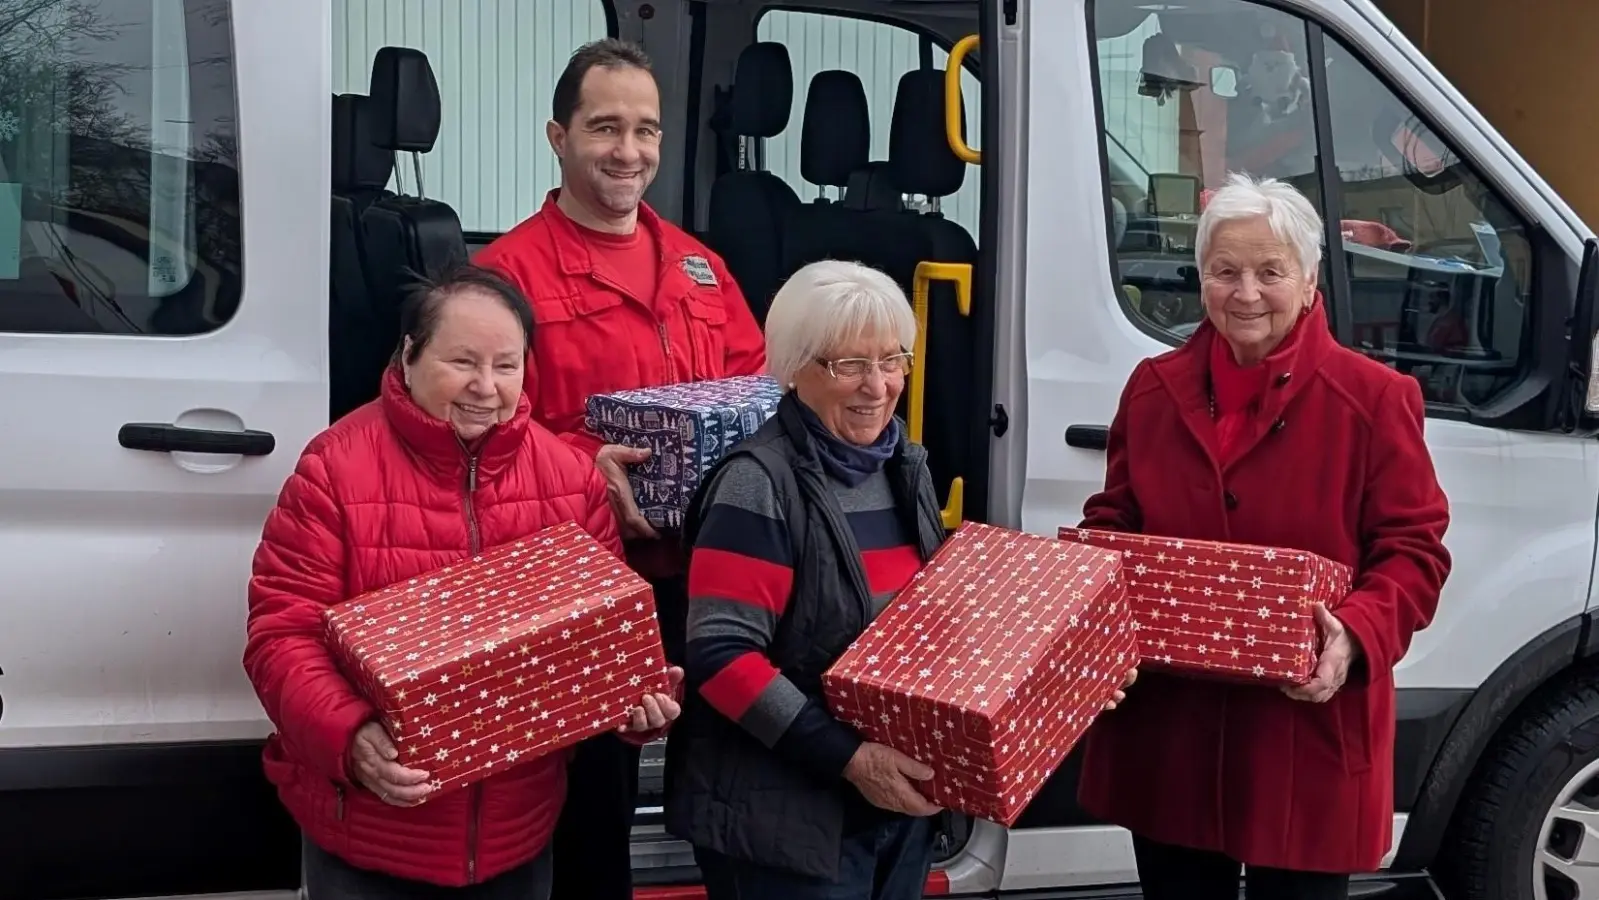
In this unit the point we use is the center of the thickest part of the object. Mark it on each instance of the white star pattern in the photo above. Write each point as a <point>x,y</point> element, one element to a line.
<point>1227,609</point>
<point>991,702</point>
<point>518,656</point>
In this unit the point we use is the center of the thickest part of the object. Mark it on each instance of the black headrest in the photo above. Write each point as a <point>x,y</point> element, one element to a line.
<point>872,187</point>
<point>406,96</point>
<point>357,162</point>
<point>918,153</point>
<point>836,133</point>
<point>763,90</point>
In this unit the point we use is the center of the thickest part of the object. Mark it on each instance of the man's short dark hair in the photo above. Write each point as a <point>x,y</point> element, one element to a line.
<point>609,53</point>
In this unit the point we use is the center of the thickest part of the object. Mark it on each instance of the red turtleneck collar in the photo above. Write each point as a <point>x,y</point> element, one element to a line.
<point>1238,390</point>
<point>434,444</point>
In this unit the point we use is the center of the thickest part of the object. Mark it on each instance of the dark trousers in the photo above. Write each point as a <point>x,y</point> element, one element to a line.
<point>887,862</point>
<point>593,837</point>
<point>1166,872</point>
<point>329,878</point>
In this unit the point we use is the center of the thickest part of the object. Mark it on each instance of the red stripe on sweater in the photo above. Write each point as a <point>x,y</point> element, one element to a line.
<point>734,689</point>
<point>733,576</point>
<point>890,569</point>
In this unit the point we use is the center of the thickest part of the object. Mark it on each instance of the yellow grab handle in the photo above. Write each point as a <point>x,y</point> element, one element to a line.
<point>921,288</point>
<point>952,509</point>
<point>926,274</point>
<point>952,100</point>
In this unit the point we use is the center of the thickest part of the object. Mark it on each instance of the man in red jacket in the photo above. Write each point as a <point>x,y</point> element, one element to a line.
<point>621,299</point>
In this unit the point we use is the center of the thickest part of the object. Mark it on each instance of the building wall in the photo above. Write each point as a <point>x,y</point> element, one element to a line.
<point>497,61</point>
<point>1529,67</point>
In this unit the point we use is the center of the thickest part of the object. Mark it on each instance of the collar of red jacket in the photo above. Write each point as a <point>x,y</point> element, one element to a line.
<point>1238,387</point>
<point>572,250</point>
<point>1185,373</point>
<point>435,445</point>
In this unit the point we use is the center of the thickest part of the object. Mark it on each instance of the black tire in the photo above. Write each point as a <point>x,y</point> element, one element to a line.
<point>1489,847</point>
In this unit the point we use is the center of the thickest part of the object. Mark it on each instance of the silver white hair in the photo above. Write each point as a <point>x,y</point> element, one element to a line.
<point>830,303</point>
<point>1291,217</point>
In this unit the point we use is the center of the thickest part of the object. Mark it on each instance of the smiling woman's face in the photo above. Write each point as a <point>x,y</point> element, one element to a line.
<point>469,372</point>
<point>1254,288</point>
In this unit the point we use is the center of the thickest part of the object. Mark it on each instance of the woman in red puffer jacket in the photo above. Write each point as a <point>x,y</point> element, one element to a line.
<point>444,463</point>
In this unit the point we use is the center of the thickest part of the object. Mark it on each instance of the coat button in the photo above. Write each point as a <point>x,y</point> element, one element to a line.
<point>1283,378</point>
<point>1279,425</point>
<point>1231,499</point>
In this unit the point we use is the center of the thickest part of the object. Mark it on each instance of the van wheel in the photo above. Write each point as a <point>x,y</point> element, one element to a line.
<point>1528,825</point>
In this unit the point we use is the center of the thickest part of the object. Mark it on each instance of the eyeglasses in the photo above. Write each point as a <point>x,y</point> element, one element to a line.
<point>854,369</point>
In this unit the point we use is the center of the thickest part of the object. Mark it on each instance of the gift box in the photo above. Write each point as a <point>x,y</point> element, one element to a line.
<point>505,656</point>
<point>1233,611</point>
<point>687,427</point>
<point>990,665</point>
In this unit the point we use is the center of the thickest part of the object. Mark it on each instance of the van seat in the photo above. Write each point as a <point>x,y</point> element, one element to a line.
<point>835,143</point>
<point>921,162</point>
<point>406,233</point>
<point>748,206</point>
<point>361,172</point>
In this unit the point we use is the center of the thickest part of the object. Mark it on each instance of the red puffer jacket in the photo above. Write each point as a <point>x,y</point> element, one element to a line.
<point>383,495</point>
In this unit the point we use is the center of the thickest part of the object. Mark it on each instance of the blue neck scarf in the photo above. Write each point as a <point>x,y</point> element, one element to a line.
<point>847,462</point>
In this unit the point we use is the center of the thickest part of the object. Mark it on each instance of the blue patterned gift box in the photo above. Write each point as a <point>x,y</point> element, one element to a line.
<point>688,428</point>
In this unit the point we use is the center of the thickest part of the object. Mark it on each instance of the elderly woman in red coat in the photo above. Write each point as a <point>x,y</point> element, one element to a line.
<point>1261,429</point>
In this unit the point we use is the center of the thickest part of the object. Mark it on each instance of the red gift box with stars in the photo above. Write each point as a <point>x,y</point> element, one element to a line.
<point>990,665</point>
<point>1234,611</point>
<point>506,656</point>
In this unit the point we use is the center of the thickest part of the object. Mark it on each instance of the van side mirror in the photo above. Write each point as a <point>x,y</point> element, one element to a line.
<point>1224,82</point>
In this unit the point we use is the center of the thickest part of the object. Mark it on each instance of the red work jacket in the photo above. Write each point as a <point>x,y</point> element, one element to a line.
<point>1333,462</point>
<point>591,337</point>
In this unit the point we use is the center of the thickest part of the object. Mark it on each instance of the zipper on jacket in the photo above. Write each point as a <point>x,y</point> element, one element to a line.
<point>666,344</point>
<point>471,513</point>
<point>476,544</point>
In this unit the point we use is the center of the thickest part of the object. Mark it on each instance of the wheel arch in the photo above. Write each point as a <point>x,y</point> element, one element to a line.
<point>1493,704</point>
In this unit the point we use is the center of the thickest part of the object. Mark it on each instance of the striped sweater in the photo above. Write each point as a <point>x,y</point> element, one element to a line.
<point>739,582</point>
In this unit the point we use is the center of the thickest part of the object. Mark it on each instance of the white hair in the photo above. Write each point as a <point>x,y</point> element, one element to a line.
<point>1291,217</point>
<point>830,303</point>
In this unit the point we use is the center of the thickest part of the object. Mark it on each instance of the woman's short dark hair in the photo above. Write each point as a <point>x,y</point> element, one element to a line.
<point>424,304</point>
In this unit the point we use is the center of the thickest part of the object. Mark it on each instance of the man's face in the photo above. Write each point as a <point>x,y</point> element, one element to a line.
<point>612,149</point>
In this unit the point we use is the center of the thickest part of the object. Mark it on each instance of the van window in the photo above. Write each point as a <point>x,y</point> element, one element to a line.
<point>119,181</point>
<point>1439,267</point>
<point>496,64</point>
<point>879,52</point>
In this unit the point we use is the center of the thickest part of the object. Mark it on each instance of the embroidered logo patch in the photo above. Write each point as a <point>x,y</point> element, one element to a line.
<point>699,269</point>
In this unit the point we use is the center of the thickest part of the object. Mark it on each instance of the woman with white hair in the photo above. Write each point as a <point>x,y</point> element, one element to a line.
<point>1262,429</point>
<point>800,537</point>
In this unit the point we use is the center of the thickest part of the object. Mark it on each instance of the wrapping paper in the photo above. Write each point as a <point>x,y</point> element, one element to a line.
<point>503,657</point>
<point>1227,610</point>
<point>990,665</point>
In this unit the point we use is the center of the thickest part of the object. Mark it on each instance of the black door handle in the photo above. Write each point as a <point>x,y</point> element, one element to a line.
<point>164,438</point>
<point>1088,437</point>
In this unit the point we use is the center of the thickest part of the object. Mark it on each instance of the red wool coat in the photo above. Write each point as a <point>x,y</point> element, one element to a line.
<point>1333,463</point>
<point>379,497</point>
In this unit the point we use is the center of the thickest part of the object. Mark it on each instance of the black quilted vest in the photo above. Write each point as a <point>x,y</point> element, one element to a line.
<point>724,790</point>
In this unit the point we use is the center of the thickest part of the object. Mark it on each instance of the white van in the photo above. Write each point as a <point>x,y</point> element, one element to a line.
<point>169,280</point>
